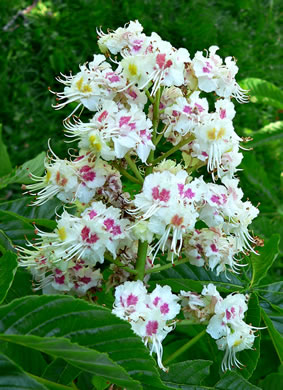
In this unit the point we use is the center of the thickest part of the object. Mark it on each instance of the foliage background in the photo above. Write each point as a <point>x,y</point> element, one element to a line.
<point>55,36</point>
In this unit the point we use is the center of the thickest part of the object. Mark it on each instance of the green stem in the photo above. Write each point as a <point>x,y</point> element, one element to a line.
<point>119,264</point>
<point>150,98</point>
<point>126,173</point>
<point>158,268</point>
<point>49,384</point>
<point>134,168</point>
<point>173,150</point>
<point>141,259</point>
<point>190,322</point>
<point>185,347</point>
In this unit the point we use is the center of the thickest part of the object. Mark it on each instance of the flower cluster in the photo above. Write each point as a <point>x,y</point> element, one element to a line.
<point>148,314</point>
<point>125,204</point>
<point>225,319</point>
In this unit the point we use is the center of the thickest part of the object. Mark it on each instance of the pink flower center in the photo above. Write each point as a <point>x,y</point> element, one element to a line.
<point>87,237</point>
<point>87,173</point>
<point>92,214</point>
<point>132,300</point>
<point>222,113</point>
<point>213,248</point>
<point>163,196</point>
<point>215,199</point>
<point>156,300</point>
<point>189,194</point>
<point>164,308</point>
<point>102,116</point>
<point>151,328</point>
<point>187,110</point>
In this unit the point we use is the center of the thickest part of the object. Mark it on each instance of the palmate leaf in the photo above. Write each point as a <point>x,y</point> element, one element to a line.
<point>87,325</point>
<point>271,132</point>
<point>13,377</point>
<point>262,262</point>
<point>262,91</point>
<point>233,381</point>
<point>5,163</point>
<point>249,357</point>
<point>191,372</point>
<point>258,177</point>
<point>8,267</point>
<point>86,359</point>
<point>190,277</point>
<point>21,207</point>
<point>21,175</point>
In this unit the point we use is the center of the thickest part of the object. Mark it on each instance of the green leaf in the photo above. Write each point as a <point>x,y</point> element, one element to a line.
<point>21,286</point>
<point>272,302</point>
<point>193,285</point>
<point>61,372</point>
<point>198,274</point>
<point>274,334</point>
<point>8,267</point>
<point>5,163</point>
<point>233,381</point>
<point>86,359</point>
<point>21,207</point>
<point>13,377</point>
<point>272,381</point>
<point>15,227</point>
<point>271,132</point>
<point>22,174</point>
<point>258,177</point>
<point>262,262</point>
<point>88,325</point>
<point>5,243</point>
<point>190,372</point>
<point>262,91</point>
<point>249,357</point>
<point>99,383</point>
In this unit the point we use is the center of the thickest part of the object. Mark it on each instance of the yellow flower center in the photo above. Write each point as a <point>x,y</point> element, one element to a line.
<point>237,342</point>
<point>62,233</point>
<point>83,88</point>
<point>48,176</point>
<point>213,135</point>
<point>133,69</point>
<point>95,143</point>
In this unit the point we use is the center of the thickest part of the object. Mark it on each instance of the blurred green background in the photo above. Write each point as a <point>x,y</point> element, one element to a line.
<point>55,36</point>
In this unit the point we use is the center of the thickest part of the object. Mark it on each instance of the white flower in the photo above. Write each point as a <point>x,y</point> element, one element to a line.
<point>147,313</point>
<point>214,75</point>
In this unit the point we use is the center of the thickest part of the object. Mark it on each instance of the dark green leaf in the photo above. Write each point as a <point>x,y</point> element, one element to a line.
<point>8,267</point>
<point>262,262</point>
<point>5,243</point>
<point>274,334</point>
<point>99,383</point>
<point>250,357</point>
<point>272,381</point>
<point>22,285</point>
<point>5,163</point>
<point>13,378</point>
<point>15,227</point>
<point>258,177</point>
<point>86,359</point>
<point>61,372</point>
<point>21,207</point>
<point>22,174</point>
<point>199,274</point>
<point>88,325</point>
<point>262,91</point>
<point>271,132</point>
<point>191,372</point>
<point>233,381</point>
